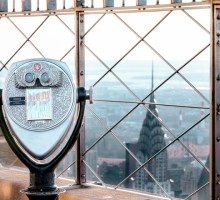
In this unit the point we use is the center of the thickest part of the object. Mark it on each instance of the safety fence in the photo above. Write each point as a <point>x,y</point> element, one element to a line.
<point>148,129</point>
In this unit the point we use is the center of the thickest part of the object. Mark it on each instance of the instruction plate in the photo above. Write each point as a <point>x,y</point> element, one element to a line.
<point>39,104</point>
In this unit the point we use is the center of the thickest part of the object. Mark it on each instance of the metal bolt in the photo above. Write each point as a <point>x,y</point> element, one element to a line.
<point>218,109</point>
<point>218,139</point>
<point>218,34</point>
<point>84,176</point>
<point>218,182</point>
<point>218,42</point>
<point>218,17</point>
<point>218,78</point>
<point>81,21</point>
<point>81,73</point>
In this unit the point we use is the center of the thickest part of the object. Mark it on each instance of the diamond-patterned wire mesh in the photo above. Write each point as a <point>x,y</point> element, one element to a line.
<point>132,141</point>
<point>120,50</point>
<point>37,37</point>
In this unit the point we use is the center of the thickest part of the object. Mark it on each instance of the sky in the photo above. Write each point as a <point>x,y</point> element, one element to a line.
<point>178,37</point>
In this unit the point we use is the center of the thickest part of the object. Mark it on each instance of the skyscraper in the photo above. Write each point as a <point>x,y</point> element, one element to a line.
<point>151,141</point>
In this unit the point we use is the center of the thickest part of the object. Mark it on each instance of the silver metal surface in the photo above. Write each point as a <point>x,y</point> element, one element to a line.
<point>60,83</point>
<point>46,111</point>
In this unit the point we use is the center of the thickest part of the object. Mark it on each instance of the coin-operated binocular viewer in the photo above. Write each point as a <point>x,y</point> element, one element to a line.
<point>40,118</point>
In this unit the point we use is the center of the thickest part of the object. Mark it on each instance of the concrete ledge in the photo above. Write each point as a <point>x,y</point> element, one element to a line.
<point>12,181</point>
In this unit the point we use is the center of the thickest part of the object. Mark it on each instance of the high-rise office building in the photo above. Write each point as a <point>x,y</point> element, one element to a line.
<point>151,141</point>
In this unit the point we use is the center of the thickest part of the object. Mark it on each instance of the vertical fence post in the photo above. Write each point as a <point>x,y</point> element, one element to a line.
<point>80,72</point>
<point>3,5</point>
<point>108,3</point>
<point>27,5</point>
<point>176,1</point>
<point>52,4</point>
<point>123,3</point>
<point>141,2</point>
<point>215,103</point>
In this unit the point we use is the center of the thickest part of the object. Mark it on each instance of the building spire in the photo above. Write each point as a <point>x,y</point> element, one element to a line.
<point>151,139</point>
<point>152,74</point>
<point>152,100</point>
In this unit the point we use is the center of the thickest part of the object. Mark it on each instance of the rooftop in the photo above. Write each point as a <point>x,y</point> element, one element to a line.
<point>13,180</point>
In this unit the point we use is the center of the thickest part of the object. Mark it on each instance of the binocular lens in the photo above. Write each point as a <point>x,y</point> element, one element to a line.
<point>29,77</point>
<point>45,77</point>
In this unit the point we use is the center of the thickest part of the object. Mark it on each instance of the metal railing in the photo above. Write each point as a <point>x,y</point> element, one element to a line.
<point>109,130</point>
<point>106,127</point>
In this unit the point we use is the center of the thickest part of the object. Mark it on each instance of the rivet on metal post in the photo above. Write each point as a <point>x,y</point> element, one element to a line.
<point>79,3</point>
<point>218,42</point>
<point>218,34</point>
<point>218,139</point>
<point>218,78</point>
<point>83,177</point>
<point>218,182</point>
<point>218,109</point>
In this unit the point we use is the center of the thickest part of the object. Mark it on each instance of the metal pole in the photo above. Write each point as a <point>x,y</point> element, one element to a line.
<point>3,6</point>
<point>215,106</point>
<point>80,72</point>
<point>42,186</point>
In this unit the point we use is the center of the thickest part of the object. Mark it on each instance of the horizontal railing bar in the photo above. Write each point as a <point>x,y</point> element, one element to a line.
<point>52,5</point>
<point>150,103</point>
<point>127,9</point>
<point>194,4</point>
<point>38,13</point>
<point>177,6</point>
<point>143,10</point>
